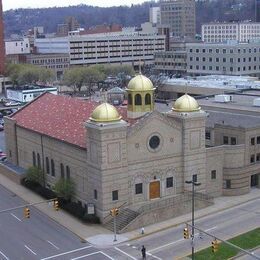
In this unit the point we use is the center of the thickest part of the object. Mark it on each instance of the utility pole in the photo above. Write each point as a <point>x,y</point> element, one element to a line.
<point>194,183</point>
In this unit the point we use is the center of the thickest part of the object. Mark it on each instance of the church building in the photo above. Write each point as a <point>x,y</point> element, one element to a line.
<point>133,156</point>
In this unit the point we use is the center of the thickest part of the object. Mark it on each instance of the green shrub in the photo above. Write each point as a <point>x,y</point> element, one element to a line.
<point>64,188</point>
<point>34,174</point>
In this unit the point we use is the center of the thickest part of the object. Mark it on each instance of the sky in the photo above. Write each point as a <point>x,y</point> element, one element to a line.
<point>14,4</point>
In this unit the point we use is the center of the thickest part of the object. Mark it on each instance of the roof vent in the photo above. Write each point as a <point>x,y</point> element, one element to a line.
<point>256,102</point>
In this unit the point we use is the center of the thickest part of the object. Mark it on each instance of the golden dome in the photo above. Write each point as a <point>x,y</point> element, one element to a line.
<point>140,83</point>
<point>186,103</point>
<point>105,113</point>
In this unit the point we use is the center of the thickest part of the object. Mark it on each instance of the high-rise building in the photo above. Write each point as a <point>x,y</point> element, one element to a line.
<point>179,15</point>
<point>2,45</point>
<point>257,11</point>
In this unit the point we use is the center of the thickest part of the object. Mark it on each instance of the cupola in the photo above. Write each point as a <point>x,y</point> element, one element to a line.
<point>105,113</point>
<point>186,103</point>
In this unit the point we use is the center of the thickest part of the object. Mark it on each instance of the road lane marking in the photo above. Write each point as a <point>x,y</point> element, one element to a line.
<point>52,244</point>
<point>125,253</point>
<point>94,253</point>
<point>65,253</point>
<point>16,217</point>
<point>4,255</point>
<point>154,256</point>
<point>30,250</point>
<point>177,241</point>
<point>172,243</point>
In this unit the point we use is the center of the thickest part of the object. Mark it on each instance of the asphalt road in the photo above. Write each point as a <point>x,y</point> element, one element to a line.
<point>169,244</point>
<point>37,237</point>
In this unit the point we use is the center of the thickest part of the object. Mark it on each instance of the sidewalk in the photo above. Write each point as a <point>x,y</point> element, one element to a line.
<point>100,236</point>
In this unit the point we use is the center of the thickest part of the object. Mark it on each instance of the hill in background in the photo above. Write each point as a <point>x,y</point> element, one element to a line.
<point>20,20</point>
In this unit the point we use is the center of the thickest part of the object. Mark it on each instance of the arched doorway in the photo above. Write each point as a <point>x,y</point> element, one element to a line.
<point>154,191</point>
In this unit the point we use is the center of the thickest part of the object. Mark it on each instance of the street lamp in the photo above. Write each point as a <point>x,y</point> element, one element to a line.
<point>194,183</point>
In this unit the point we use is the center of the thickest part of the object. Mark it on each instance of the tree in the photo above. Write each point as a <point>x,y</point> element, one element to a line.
<point>74,78</point>
<point>34,174</point>
<point>64,188</point>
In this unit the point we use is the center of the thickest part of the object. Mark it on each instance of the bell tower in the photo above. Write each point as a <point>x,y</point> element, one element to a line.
<point>140,96</point>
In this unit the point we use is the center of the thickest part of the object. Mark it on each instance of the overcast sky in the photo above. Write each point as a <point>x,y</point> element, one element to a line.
<point>13,4</point>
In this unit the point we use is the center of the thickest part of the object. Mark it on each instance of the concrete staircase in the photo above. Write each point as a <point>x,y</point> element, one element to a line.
<point>124,217</point>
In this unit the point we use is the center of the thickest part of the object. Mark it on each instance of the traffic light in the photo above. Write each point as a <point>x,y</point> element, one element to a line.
<point>186,233</point>
<point>56,204</point>
<point>214,246</point>
<point>26,212</point>
<point>112,212</point>
<point>116,211</point>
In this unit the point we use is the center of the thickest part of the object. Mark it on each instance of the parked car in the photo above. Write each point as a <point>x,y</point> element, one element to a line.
<point>2,154</point>
<point>12,103</point>
<point>3,159</point>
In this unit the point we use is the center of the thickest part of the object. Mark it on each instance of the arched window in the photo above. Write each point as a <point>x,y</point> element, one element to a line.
<point>68,172</point>
<point>62,170</point>
<point>34,158</point>
<point>148,99</point>
<point>130,101</point>
<point>52,168</point>
<point>47,165</point>
<point>38,161</point>
<point>138,99</point>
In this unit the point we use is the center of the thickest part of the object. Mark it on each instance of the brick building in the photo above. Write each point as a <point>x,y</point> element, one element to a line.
<point>2,45</point>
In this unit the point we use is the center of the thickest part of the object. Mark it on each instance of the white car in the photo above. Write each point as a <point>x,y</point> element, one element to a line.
<point>12,103</point>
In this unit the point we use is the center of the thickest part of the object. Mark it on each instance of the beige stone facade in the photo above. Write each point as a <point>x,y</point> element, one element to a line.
<point>143,162</point>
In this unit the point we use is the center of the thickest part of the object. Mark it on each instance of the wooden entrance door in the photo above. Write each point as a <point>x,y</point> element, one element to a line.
<point>154,189</point>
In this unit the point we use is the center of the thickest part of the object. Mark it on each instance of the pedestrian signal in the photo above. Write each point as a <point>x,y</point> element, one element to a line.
<point>26,212</point>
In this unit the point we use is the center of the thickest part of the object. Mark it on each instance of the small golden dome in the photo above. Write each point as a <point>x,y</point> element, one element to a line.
<point>140,83</point>
<point>186,103</point>
<point>105,113</point>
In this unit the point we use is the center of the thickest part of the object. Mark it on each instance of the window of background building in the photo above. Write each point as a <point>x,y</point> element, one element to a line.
<point>258,157</point>
<point>95,194</point>
<point>67,172</point>
<point>203,59</point>
<point>252,141</point>
<point>252,158</point>
<point>207,135</point>
<point>213,174</point>
<point>258,140</point>
<point>225,139</point>
<point>138,188</point>
<point>233,140</point>
<point>115,195</point>
<point>169,182</point>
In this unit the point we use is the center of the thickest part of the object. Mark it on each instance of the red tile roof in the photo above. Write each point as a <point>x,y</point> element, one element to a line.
<point>60,117</point>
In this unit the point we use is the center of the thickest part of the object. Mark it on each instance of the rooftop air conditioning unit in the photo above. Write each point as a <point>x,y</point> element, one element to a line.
<point>223,98</point>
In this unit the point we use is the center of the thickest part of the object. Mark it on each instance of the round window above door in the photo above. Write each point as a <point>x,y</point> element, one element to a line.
<point>154,142</point>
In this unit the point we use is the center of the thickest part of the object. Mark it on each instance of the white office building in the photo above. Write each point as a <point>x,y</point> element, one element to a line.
<point>21,46</point>
<point>223,32</point>
<point>52,45</point>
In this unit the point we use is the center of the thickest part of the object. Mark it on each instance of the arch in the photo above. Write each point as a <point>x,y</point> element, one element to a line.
<point>34,158</point>
<point>148,99</point>
<point>138,100</point>
<point>130,100</point>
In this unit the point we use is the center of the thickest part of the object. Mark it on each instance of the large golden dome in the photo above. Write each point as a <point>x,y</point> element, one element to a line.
<point>140,83</point>
<point>105,113</point>
<point>186,103</point>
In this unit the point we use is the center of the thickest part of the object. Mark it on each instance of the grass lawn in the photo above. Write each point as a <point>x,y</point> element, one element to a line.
<point>248,240</point>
